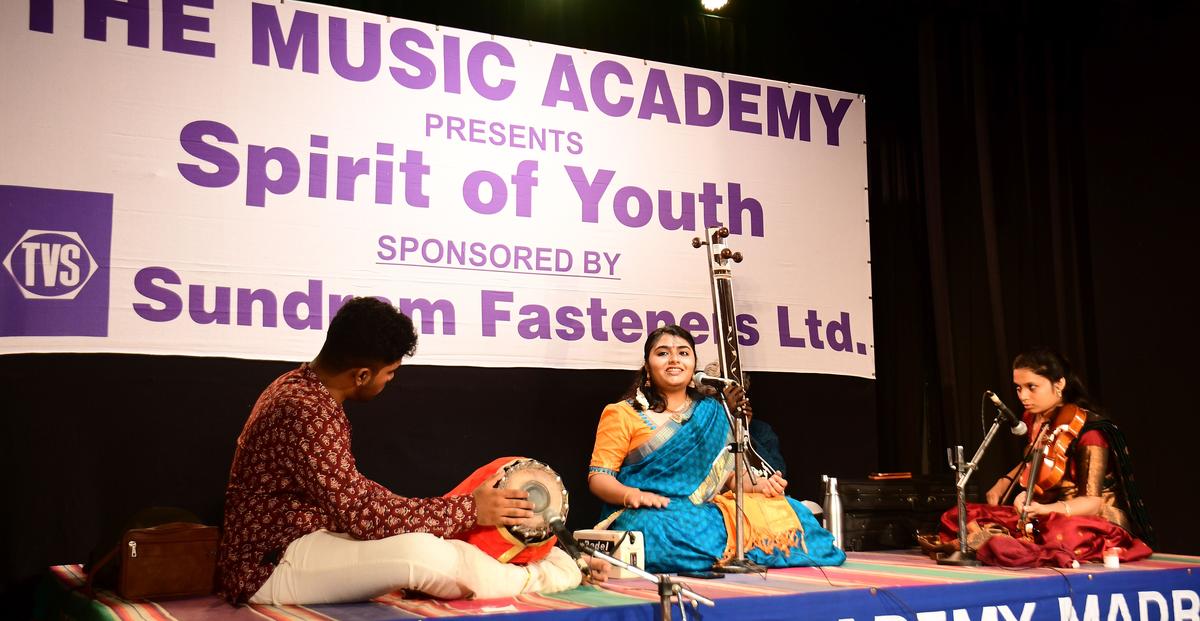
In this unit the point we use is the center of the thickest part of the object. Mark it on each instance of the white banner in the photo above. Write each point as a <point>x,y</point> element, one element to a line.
<point>215,181</point>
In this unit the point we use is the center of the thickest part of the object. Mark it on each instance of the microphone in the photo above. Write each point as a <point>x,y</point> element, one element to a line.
<point>1017,425</point>
<point>720,382</point>
<point>569,544</point>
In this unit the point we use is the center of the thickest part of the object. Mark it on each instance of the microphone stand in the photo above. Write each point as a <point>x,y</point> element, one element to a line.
<point>739,564</point>
<point>963,557</point>
<point>667,588</point>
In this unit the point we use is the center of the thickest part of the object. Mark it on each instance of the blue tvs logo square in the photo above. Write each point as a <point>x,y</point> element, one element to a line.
<point>55,249</point>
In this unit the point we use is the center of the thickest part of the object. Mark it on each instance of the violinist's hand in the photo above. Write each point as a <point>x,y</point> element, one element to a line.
<point>1019,503</point>
<point>994,494</point>
<point>736,397</point>
<point>1037,509</point>
<point>598,570</point>
<point>772,486</point>
<point>500,507</point>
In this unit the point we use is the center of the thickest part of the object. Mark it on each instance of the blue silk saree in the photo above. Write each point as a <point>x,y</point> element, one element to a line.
<point>689,461</point>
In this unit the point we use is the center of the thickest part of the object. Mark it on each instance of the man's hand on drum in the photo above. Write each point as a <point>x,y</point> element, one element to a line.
<point>738,402</point>
<point>500,507</point>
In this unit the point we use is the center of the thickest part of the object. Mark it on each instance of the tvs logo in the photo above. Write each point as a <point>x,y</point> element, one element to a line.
<point>55,247</point>
<point>50,265</point>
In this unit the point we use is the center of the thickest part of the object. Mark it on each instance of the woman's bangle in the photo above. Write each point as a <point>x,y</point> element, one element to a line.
<point>1007,478</point>
<point>1066,508</point>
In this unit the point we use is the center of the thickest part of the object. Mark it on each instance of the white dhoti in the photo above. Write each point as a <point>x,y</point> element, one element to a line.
<point>326,568</point>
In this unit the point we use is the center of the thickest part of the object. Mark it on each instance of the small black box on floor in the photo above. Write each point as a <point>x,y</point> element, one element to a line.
<point>887,514</point>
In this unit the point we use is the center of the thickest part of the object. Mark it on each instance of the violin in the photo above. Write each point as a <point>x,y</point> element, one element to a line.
<point>1048,457</point>
<point>1058,436</point>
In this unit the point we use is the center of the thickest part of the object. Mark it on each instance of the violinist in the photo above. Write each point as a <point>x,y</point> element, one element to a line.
<point>1080,500</point>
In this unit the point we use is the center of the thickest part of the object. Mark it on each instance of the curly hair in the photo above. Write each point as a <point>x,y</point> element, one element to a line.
<point>367,332</point>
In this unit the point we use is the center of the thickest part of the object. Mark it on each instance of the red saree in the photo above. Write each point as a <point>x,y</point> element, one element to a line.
<point>1099,466</point>
<point>1062,539</point>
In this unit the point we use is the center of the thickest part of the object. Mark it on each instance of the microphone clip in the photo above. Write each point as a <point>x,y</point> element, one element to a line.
<point>700,377</point>
<point>575,549</point>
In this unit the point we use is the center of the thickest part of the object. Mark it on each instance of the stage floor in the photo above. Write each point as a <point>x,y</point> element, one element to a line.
<point>878,586</point>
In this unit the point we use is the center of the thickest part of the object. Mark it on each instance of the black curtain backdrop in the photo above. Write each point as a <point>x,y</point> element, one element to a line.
<point>1028,172</point>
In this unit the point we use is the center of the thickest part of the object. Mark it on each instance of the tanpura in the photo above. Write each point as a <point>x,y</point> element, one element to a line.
<point>725,333</point>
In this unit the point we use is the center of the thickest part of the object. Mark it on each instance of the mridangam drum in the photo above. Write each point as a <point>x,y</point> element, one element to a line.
<point>546,492</point>
<point>530,540</point>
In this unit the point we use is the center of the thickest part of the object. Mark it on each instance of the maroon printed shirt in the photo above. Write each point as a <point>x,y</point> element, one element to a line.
<point>293,474</point>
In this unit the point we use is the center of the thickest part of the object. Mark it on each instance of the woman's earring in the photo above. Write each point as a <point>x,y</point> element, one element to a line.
<point>647,382</point>
<point>1057,392</point>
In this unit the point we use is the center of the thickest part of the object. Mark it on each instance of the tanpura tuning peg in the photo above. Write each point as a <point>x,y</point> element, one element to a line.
<point>723,232</point>
<point>726,253</point>
<point>737,257</point>
<point>696,243</point>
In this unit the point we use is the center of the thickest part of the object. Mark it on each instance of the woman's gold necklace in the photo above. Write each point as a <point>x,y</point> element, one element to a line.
<point>682,406</point>
<point>676,413</point>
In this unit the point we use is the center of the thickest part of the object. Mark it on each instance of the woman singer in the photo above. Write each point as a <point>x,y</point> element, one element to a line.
<point>661,465</point>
